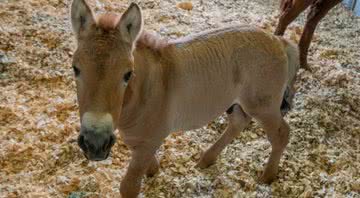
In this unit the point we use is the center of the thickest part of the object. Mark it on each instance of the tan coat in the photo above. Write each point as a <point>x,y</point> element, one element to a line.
<point>148,87</point>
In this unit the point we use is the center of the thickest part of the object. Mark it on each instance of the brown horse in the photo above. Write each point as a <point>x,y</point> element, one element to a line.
<point>290,9</point>
<point>147,87</point>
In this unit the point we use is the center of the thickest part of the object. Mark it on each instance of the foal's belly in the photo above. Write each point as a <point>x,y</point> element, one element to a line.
<point>199,108</point>
<point>196,120</point>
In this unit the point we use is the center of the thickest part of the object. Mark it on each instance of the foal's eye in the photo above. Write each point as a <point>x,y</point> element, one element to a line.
<point>76,71</point>
<point>127,76</point>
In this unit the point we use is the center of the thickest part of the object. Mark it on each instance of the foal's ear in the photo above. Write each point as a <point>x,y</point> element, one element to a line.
<point>130,24</point>
<point>81,16</point>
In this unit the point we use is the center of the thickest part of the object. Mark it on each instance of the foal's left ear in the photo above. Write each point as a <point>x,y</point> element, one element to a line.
<point>130,24</point>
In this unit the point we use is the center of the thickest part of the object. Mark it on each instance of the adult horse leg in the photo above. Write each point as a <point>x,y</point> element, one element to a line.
<point>289,10</point>
<point>317,11</point>
<point>238,120</point>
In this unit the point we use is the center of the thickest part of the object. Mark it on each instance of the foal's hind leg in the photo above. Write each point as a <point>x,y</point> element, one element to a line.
<point>238,120</point>
<point>277,131</point>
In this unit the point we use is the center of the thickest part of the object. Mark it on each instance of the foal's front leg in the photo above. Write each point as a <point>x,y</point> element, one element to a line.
<point>153,167</point>
<point>142,162</point>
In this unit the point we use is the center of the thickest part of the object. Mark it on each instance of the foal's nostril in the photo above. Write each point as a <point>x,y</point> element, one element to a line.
<point>81,142</point>
<point>112,141</point>
<point>108,143</point>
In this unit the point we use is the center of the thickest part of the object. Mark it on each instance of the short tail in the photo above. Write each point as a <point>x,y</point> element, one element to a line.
<point>293,55</point>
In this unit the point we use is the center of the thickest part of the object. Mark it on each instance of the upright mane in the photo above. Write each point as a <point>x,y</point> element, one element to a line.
<point>147,39</point>
<point>108,21</point>
<point>151,40</point>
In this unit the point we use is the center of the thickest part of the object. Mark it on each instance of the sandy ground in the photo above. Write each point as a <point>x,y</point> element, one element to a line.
<point>39,119</point>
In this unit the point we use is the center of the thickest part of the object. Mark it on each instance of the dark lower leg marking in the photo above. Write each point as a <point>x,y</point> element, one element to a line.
<point>231,109</point>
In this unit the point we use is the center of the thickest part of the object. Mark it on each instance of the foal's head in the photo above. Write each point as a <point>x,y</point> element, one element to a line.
<point>103,65</point>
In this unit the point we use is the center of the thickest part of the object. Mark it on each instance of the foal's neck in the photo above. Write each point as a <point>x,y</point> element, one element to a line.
<point>147,85</point>
<point>161,67</point>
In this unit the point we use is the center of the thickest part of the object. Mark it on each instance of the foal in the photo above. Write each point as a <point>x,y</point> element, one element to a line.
<point>147,87</point>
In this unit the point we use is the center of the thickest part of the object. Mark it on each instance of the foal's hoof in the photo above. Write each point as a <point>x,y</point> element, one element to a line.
<point>152,171</point>
<point>267,179</point>
<point>205,161</point>
<point>202,164</point>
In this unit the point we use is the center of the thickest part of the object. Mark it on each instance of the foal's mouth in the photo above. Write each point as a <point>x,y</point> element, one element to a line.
<point>97,158</point>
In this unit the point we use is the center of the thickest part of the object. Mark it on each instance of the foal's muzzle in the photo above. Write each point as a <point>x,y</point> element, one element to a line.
<point>96,145</point>
<point>96,135</point>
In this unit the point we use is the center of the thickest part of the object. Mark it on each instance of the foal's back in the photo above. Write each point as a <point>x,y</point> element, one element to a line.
<point>218,68</point>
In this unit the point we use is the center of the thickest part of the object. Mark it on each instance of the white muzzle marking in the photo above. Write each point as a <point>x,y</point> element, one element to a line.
<point>97,121</point>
